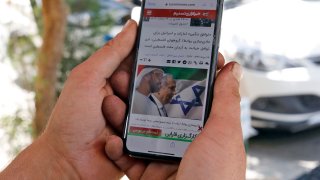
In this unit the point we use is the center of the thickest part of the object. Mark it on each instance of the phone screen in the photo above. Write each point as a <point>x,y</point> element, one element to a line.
<point>172,75</point>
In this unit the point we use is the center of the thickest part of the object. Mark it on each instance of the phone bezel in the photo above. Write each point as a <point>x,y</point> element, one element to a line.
<point>212,73</point>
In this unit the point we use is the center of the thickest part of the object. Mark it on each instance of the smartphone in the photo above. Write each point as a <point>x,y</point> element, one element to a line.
<point>173,76</point>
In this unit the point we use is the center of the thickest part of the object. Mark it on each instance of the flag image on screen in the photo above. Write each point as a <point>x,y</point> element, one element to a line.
<point>188,102</point>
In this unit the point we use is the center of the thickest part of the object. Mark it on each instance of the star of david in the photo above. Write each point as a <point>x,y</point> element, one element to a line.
<point>186,106</point>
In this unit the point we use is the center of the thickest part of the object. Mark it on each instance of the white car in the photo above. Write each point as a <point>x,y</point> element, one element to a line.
<point>278,44</point>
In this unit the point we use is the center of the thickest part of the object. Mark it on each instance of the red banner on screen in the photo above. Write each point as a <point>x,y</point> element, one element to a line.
<point>180,13</point>
<point>145,131</point>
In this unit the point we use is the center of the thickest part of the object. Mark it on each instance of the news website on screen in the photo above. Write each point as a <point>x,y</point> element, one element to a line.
<point>171,76</point>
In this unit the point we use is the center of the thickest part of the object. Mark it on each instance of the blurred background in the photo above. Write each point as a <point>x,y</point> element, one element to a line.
<point>276,42</point>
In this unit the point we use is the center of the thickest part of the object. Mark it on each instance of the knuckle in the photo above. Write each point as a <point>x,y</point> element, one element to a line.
<point>84,77</point>
<point>113,47</point>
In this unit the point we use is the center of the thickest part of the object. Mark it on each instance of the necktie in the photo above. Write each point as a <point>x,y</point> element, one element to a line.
<point>164,111</point>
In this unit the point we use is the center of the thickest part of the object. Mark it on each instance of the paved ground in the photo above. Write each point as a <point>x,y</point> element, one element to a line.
<point>283,156</point>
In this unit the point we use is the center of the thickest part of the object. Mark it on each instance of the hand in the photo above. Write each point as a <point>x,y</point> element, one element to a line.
<point>77,128</point>
<point>72,145</point>
<point>217,152</point>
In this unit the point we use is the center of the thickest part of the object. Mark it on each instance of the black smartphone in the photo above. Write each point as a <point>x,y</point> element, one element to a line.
<point>173,76</point>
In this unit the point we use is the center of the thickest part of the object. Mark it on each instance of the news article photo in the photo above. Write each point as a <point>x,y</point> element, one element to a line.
<point>170,92</point>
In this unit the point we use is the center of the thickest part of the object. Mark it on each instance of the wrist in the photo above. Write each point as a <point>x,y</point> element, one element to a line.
<point>40,161</point>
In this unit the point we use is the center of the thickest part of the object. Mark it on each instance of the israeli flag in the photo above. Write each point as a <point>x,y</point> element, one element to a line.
<point>189,101</point>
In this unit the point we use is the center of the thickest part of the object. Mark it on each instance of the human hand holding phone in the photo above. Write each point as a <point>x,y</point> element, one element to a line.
<point>218,151</point>
<point>91,109</point>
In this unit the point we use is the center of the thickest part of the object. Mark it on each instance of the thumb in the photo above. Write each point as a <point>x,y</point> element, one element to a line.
<point>224,119</point>
<point>219,147</point>
<point>106,60</point>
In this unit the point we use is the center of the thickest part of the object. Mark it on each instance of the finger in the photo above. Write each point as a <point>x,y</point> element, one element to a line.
<point>158,170</point>
<point>133,168</point>
<point>120,80</point>
<point>106,60</point>
<point>225,112</point>
<point>114,148</point>
<point>221,134</point>
<point>221,61</point>
<point>114,109</point>
<point>222,131</point>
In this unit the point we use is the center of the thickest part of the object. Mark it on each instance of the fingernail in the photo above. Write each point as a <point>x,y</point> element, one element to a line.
<point>127,24</point>
<point>237,71</point>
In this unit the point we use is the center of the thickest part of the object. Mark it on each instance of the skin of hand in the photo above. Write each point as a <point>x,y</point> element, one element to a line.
<point>217,152</point>
<point>73,144</point>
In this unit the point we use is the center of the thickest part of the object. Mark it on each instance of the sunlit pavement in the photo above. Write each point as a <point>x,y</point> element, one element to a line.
<point>277,169</point>
<point>275,155</point>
